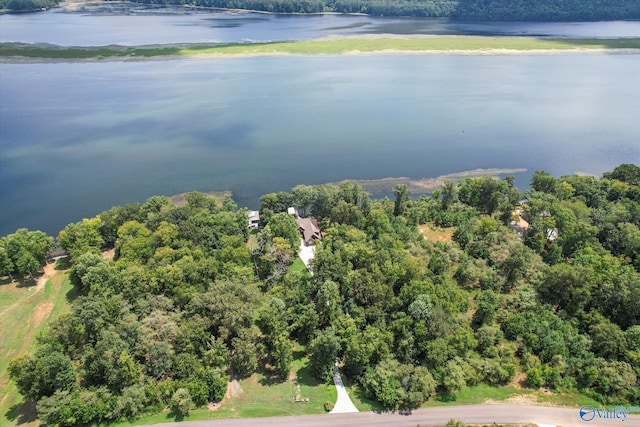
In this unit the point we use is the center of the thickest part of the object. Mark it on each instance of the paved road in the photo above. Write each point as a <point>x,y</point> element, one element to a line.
<point>477,414</point>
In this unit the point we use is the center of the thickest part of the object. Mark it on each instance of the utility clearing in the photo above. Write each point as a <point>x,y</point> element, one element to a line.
<point>26,308</point>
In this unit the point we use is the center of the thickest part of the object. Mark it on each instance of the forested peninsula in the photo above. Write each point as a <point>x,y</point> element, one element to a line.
<point>467,10</point>
<point>470,10</point>
<point>417,298</point>
<point>27,5</point>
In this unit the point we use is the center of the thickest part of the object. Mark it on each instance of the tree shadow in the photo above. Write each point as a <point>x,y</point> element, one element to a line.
<point>72,294</point>
<point>269,377</point>
<point>5,280</point>
<point>305,377</point>
<point>359,393</point>
<point>177,417</point>
<point>63,264</point>
<point>446,397</point>
<point>23,412</point>
<point>29,282</point>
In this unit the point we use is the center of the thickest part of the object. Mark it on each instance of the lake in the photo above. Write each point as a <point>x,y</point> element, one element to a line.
<point>78,138</point>
<point>136,24</point>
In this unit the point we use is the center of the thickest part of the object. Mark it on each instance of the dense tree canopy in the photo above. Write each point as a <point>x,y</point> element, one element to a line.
<point>191,298</point>
<point>484,10</point>
<point>24,252</point>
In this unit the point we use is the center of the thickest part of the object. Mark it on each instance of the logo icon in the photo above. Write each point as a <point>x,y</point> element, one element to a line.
<point>587,413</point>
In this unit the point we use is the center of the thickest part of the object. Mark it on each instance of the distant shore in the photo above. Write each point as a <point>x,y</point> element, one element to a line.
<point>428,185</point>
<point>333,45</point>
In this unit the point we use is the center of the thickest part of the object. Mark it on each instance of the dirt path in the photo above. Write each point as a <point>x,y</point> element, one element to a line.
<point>233,389</point>
<point>49,270</point>
<point>20,323</point>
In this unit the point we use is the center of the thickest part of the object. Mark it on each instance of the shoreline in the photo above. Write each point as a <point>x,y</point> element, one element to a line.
<point>333,45</point>
<point>18,60</point>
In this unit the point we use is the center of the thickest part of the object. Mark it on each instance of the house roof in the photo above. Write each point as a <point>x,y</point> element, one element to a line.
<point>254,215</point>
<point>309,227</point>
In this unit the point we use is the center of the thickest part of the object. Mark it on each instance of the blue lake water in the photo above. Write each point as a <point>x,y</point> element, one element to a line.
<point>78,138</point>
<point>132,24</point>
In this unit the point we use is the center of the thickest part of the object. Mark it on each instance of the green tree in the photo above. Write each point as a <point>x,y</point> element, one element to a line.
<point>181,402</point>
<point>543,181</point>
<point>90,270</point>
<point>454,378</point>
<point>81,237</point>
<point>323,351</point>
<point>487,305</point>
<point>159,359</point>
<point>303,197</point>
<point>403,197</point>
<point>244,360</point>
<point>6,265</point>
<point>131,402</point>
<point>328,302</point>
<point>397,386</point>
<point>608,340</point>
<point>449,194</point>
<point>42,374</point>
<point>27,264</point>
<point>24,251</point>
<point>282,356</point>
<point>627,172</point>
<point>283,225</point>
<point>216,384</point>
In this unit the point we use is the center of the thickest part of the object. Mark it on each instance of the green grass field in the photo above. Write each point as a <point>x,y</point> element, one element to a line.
<point>25,310</point>
<point>264,396</point>
<point>298,265</point>
<point>336,46</point>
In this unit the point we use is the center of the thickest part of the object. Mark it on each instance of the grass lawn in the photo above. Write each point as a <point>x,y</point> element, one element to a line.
<point>336,46</point>
<point>436,234</point>
<point>265,396</point>
<point>298,266</point>
<point>25,312</point>
<point>481,393</point>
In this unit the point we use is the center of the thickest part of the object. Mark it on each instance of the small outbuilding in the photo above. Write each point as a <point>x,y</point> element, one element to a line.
<point>254,219</point>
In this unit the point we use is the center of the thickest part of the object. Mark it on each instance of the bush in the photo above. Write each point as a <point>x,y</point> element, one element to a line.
<point>181,402</point>
<point>328,406</point>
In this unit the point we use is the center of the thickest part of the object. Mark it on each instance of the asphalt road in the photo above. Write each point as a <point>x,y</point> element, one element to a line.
<point>476,414</point>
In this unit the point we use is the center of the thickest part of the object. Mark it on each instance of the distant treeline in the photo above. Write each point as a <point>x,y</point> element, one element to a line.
<point>27,5</point>
<point>488,10</point>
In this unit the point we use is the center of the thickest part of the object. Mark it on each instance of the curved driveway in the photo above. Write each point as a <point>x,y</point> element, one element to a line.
<point>477,414</point>
<point>343,404</point>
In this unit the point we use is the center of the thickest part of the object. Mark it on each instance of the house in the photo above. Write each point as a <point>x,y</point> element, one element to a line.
<point>552,234</point>
<point>254,219</point>
<point>308,227</point>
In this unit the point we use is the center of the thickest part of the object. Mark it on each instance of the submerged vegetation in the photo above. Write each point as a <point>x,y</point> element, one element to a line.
<point>186,305</point>
<point>337,46</point>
